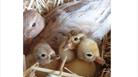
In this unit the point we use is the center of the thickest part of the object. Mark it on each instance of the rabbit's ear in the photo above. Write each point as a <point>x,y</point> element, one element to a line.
<point>100,60</point>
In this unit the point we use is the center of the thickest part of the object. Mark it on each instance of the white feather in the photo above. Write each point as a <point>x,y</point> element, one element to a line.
<point>93,17</point>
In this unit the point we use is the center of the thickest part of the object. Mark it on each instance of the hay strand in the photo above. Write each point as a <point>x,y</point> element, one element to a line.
<point>62,65</point>
<point>29,70</point>
<point>55,72</point>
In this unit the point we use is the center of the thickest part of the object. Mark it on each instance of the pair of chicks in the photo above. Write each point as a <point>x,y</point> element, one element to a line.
<point>82,53</point>
<point>78,45</point>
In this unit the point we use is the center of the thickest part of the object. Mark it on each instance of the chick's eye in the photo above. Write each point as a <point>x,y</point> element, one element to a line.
<point>43,55</point>
<point>34,24</point>
<point>89,55</point>
<point>75,39</point>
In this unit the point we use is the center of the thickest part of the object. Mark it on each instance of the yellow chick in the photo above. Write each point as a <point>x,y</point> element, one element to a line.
<point>68,46</point>
<point>81,67</point>
<point>88,51</point>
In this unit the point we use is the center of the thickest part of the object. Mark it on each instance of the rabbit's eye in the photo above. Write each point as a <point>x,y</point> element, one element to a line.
<point>34,24</point>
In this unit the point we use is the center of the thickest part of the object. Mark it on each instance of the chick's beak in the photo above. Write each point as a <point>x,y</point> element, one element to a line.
<point>68,46</point>
<point>100,60</point>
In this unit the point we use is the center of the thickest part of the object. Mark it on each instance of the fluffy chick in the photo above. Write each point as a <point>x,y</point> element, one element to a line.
<point>68,46</point>
<point>44,53</point>
<point>88,51</point>
<point>31,59</point>
<point>81,67</point>
<point>46,57</point>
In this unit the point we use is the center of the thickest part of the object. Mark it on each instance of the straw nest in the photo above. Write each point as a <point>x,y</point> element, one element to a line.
<point>105,48</point>
<point>44,7</point>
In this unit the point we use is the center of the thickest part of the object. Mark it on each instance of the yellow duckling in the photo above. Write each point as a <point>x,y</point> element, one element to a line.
<point>88,51</point>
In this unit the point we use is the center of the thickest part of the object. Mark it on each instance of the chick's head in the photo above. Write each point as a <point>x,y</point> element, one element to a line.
<point>73,39</point>
<point>88,51</point>
<point>69,45</point>
<point>44,53</point>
